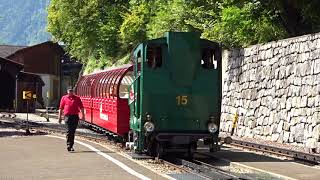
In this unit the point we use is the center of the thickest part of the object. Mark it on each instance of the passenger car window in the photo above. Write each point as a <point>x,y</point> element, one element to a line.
<point>124,85</point>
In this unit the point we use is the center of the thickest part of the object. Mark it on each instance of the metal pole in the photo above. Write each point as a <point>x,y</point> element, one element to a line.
<point>27,129</point>
<point>17,95</point>
<point>235,120</point>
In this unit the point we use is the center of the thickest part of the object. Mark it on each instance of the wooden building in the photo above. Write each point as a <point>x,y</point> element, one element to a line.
<point>8,72</point>
<point>45,69</point>
<point>7,50</point>
<point>70,73</point>
<point>13,83</point>
<point>29,82</point>
<point>44,60</point>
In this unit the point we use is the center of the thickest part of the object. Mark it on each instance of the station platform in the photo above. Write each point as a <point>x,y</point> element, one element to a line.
<point>46,157</point>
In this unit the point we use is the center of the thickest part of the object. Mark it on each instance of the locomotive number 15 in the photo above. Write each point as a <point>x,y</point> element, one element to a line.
<point>182,100</point>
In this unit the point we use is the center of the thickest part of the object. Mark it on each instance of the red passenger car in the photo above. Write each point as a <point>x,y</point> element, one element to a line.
<point>104,96</point>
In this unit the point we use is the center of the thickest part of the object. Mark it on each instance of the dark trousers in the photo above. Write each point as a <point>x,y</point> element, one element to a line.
<point>72,123</point>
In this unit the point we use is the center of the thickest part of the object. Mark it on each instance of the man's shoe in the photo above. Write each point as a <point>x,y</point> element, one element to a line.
<point>72,149</point>
<point>69,149</point>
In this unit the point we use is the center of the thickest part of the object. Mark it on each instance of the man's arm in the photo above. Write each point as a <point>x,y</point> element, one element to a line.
<point>81,109</point>
<point>61,109</point>
<point>60,114</point>
<point>82,113</point>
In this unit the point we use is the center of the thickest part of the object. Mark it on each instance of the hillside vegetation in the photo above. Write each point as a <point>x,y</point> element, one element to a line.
<point>100,32</point>
<point>23,22</point>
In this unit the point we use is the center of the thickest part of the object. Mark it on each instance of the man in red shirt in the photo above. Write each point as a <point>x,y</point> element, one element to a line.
<point>70,105</point>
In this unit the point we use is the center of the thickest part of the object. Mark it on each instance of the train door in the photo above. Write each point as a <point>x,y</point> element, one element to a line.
<point>134,99</point>
<point>134,91</point>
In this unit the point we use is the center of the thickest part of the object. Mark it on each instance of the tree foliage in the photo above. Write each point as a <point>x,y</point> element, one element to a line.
<point>107,30</point>
<point>88,28</point>
<point>297,17</point>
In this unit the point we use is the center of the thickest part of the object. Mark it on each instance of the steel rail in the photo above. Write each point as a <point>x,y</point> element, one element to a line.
<point>202,169</point>
<point>300,156</point>
<point>226,173</point>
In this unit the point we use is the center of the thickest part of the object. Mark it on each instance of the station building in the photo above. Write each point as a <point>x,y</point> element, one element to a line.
<point>44,69</point>
<point>8,72</point>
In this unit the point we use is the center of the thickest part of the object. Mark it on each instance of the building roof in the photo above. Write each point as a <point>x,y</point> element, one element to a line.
<point>8,61</point>
<point>7,50</point>
<point>56,47</point>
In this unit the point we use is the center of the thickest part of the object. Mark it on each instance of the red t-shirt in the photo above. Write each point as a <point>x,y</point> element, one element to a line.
<point>70,105</point>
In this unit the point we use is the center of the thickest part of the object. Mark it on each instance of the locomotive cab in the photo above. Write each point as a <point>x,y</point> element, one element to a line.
<point>175,97</point>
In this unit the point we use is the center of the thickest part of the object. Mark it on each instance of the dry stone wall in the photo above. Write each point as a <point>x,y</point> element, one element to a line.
<point>275,88</point>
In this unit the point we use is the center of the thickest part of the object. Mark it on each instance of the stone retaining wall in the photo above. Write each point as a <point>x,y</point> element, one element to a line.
<point>275,88</point>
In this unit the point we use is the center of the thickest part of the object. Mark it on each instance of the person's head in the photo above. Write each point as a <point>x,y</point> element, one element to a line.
<point>70,91</point>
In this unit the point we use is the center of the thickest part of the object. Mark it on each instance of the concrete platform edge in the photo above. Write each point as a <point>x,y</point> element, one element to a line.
<point>125,156</point>
<point>130,158</point>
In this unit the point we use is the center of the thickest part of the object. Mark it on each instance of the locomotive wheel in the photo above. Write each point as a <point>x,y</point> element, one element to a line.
<point>190,154</point>
<point>160,150</point>
<point>192,148</point>
<point>152,150</point>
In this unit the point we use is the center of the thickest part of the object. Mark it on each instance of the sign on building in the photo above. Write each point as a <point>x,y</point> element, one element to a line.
<point>27,95</point>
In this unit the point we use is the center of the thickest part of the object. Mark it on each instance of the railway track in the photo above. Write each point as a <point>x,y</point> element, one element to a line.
<point>299,156</point>
<point>200,168</point>
<point>204,170</point>
<point>98,137</point>
<point>296,155</point>
<point>7,115</point>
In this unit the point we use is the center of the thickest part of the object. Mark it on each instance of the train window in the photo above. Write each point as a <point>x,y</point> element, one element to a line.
<point>139,57</point>
<point>101,84</point>
<point>154,57</point>
<point>91,83</point>
<point>208,60</point>
<point>108,84</point>
<point>137,66</point>
<point>112,84</point>
<point>95,86</point>
<point>105,79</point>
<point>124,85</point>
<point>86,85</point>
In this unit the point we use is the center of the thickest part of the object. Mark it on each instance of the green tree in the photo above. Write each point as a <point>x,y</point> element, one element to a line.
<point>243,24</point>
<point>297,17</point>
<point>170,15</point>
<point>88,28</point>
<point>133,29</point>
<point>102,32</point>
